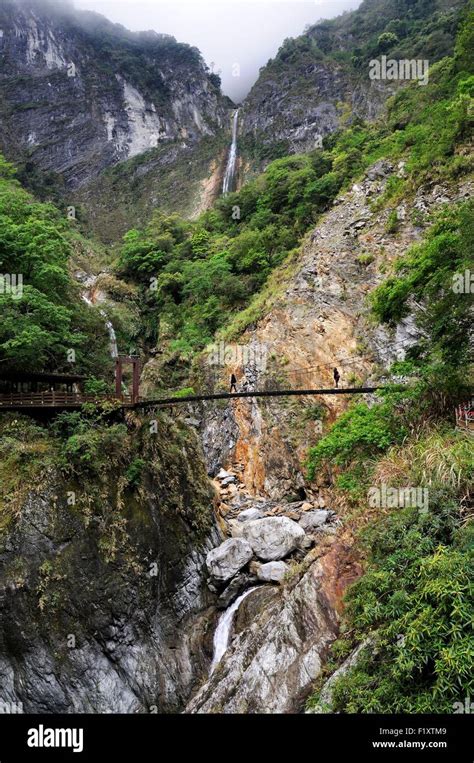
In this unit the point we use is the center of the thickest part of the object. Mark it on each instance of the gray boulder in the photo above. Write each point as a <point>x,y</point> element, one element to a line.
<point>249,514</point>
<point>273,537</point>
<point>272,572</point>
<point>313,519</point>
<point>226,560</point>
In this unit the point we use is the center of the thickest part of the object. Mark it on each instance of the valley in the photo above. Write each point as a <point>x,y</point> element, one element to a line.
<point>224,556</point>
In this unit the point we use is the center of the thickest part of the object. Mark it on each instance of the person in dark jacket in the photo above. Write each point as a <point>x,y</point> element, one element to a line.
<point>233,384</point>
<point>336,377</point>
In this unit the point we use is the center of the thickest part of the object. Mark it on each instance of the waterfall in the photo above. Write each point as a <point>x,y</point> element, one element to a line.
<point>223,630</point>
<point>108,326</point>
<point>231,161</point>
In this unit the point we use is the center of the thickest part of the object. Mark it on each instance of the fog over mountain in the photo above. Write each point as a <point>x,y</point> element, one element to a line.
<point>227,32</point>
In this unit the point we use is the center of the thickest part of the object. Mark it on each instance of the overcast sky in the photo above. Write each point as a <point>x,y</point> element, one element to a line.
<point>227,32</point>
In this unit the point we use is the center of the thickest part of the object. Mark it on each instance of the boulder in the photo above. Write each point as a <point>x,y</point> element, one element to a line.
<point>236,528</point>
<point>273,538</point>
<point>272,572</point>
<point>380,169</point>
<point>249,514</point>
<point>222,474</point>
<point>313,519</point>
<point>226,560</point>
<point>236,586</point>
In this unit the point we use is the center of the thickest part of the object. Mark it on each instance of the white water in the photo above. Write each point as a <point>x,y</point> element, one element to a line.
<point>231,161</point>
<point>108,326</point>
<point>223,630</point>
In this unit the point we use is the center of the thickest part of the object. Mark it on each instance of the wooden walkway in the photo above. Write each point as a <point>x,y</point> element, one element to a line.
<point>39,400</point>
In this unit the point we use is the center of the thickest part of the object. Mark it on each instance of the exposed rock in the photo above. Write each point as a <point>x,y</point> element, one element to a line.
<point>281,637</point>
<point>236,528</point>
<point>304,544</point>
<point>380,169</point>
<point>313,519</point>
<point>236,586</point>
<point>227,559</point>
<point>273,537</point>
<point>249,514</point>
<point>272,572</point>
<point>222,474</point>
<point>88,95</point>
<point>141,639</point>
<point>227,480</point>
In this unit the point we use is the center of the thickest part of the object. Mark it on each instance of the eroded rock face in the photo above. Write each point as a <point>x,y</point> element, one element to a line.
<point>227,560</point>
<point>273,537</point>
<point>281,635</point>
<point>317,319</point>
<point>104,605</point>
<point>75,110</point>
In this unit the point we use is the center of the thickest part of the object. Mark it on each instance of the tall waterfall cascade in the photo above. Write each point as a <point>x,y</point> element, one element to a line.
<point>108,326</point>
<point>229,175</point>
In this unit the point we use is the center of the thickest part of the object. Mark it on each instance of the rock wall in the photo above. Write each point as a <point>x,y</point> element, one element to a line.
<point>103,603</point>
<point>80,94</point>
<point>281,637</point>
<point>316,318</point>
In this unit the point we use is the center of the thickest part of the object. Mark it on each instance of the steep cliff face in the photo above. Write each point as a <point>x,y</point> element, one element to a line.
<point>80,94</point>
<point>316,318</point>
<point>102,596</point>
<point>319,82</point>
<point>280,639</point>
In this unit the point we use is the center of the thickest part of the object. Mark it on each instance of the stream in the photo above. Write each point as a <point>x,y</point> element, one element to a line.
<point>108,326</point>
<point>224,628</point>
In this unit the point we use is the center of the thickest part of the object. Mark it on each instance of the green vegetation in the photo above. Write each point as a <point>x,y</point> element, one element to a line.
<point>195,275</point>
<point>413,604</point>
<point>427,274</point>
<point>397,28</point>
<point>212,274</point>
<point>43,317</point>
<point>414,601</point>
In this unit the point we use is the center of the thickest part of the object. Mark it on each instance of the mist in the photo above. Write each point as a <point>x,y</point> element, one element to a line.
<point>235,37</point>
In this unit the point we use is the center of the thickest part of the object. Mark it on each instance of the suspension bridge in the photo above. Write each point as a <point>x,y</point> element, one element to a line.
<point>43,391</point>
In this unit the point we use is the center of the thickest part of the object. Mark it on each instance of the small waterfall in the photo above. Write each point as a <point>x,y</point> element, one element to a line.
<point>223,630</point>
<point>108,326</point>
<point>231,161</point>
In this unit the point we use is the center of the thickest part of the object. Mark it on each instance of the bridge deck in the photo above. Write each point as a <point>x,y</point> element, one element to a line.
<point>254,393</point>
<point>61,400</point>
<point>39,400</point>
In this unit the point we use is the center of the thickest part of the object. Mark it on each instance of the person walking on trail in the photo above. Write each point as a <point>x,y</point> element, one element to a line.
<point>336,377</point>
<point>233,384</point>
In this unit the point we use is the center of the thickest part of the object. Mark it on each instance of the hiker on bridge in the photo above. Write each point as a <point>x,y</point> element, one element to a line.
<point>337,376</point>
<point>233,383</point>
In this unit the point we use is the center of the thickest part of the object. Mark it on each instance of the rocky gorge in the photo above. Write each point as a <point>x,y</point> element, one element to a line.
<point>165,556</point>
